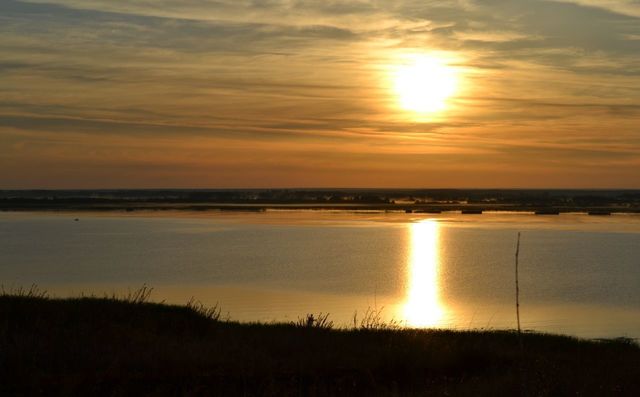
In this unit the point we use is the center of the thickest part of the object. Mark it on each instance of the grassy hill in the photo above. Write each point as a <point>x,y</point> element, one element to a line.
<point>125,347</point>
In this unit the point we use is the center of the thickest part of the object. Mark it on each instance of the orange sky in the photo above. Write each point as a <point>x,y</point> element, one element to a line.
<point>285,93</point>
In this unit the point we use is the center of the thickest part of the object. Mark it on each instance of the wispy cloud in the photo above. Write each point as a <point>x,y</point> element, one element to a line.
<point>624,7</point>
<point>187,89</point>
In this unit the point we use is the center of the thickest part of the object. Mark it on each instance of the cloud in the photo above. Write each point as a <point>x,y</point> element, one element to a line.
<point>209,82</point>
<point>624,7</point>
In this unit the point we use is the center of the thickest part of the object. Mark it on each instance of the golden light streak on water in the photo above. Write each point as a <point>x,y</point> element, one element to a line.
<point>422,307</point>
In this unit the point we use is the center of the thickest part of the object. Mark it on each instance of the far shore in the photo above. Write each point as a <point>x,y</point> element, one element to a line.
<point>596,202</point>
<point>468,209</point>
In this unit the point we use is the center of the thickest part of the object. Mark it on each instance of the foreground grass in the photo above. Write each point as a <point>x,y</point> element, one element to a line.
<point>101,346</point>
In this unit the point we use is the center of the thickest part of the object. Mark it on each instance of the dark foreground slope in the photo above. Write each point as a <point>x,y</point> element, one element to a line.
<point>106,347</point>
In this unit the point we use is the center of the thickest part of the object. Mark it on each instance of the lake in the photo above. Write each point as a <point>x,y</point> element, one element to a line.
<point>579,274</point>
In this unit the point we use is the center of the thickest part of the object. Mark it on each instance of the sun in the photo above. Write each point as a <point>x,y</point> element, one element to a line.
<point>424,83</point>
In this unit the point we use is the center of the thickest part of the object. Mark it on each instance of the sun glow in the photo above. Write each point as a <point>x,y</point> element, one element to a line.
<point>424,83</point>
<point>422,307</point>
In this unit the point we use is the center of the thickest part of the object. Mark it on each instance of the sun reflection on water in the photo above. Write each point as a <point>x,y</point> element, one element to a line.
<point>422,307</point>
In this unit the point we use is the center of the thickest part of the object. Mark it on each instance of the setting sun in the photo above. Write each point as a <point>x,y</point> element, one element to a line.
<point>424,83</point>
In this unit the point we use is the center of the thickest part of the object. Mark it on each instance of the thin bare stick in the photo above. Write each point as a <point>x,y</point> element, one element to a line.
<point>521,373</point>
<point>517,286</point>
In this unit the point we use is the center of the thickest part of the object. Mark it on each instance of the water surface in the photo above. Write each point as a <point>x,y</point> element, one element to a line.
<point>579,274</point>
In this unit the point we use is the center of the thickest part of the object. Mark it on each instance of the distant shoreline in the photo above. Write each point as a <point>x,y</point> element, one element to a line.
<point>466,201</point>
<point>469,209</point>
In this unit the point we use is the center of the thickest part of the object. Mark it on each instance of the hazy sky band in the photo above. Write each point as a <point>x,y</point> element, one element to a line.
<point>99,93</point>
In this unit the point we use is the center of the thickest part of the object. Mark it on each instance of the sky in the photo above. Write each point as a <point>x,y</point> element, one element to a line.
<point>296,93</point>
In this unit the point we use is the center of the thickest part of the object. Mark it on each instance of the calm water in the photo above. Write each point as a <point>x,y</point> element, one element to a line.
<point>578,274</point>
